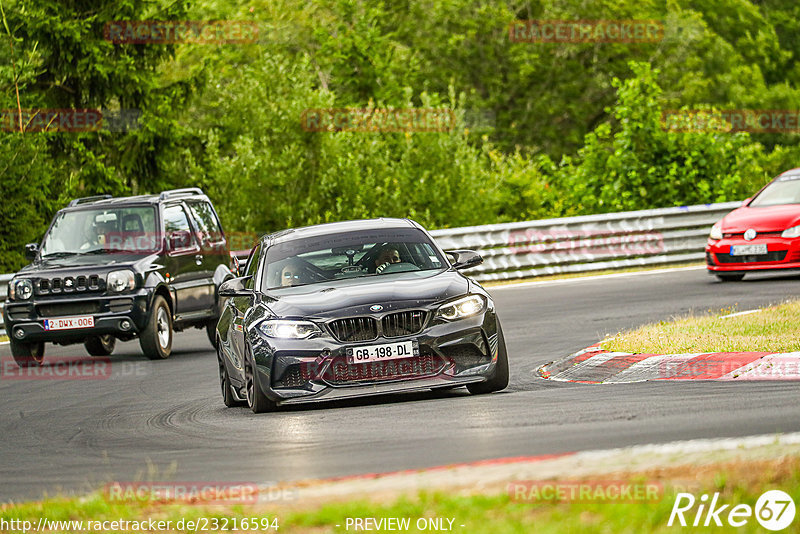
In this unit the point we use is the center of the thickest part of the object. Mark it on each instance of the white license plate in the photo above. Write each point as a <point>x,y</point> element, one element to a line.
<point>69,323</point>
<point>748,250</point>
<point>389,351</point>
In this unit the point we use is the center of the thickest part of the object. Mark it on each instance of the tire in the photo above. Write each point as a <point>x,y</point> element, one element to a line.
<point>499,380</point>
<point>730,277</point>
<point>211,332</point>
<point>156,338</point>
<point>27,354</point>
<point>100,345</point>
<point>256,400</point>
<point>225,384</point>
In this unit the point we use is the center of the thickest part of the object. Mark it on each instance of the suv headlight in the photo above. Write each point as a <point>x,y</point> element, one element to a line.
<point>118,281</point>
<point>716,232</point>
<point>21,289</point>
<point>794,231</point>
<point>461,308</point>
<point>286,329</point>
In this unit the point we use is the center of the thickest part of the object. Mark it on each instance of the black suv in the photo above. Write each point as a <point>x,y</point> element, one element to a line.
<point>120,268</point>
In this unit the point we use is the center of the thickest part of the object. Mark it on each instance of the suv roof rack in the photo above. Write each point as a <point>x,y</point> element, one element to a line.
<point>84,200</point>
<point>185,191</point>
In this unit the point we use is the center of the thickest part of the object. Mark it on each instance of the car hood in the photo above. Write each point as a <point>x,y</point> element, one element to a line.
<point>95,263</point>
<point>762,219</point>
<point>343,298</point>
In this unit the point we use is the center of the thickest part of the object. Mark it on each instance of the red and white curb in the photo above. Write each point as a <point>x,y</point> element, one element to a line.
<point>595,365</point>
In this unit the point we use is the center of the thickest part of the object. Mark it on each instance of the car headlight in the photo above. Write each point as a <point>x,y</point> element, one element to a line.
<point>794,231</point>
<point>21,289</point>
<point>118,281</point>
<point>716,232</point>
<point>285,329</point>
<point>461,308</point>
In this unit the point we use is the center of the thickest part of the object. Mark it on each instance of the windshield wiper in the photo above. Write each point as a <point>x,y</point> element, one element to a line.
<point>62,254</point>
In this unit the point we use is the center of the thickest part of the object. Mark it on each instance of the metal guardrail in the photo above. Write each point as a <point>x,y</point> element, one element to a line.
<point>587,243</point>
<point>573,244</point>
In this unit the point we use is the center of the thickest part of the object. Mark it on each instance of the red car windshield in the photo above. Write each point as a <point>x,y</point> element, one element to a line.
<point>784,190</point>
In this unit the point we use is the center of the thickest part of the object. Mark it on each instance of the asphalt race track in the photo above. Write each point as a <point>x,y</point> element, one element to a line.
<point>165,420</point>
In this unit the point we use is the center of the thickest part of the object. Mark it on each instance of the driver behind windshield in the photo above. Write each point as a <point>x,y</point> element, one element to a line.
<point>292,275</point>
<point>386,257</point>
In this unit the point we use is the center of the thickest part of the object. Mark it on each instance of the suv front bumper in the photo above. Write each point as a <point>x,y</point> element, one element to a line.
<point>120,315</point>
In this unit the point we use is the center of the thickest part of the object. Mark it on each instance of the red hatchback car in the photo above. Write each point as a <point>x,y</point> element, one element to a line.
<point>762,235</point>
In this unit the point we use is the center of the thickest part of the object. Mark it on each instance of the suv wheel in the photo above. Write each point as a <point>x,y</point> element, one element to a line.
<point>156,338</point>
<point>100,345</point>
<point>27,354</point>
<point>211,332</point>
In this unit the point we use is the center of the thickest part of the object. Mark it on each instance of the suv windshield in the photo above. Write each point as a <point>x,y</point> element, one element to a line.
<point>103,231</point>
<point>784,190</point>
<point>349,255</point>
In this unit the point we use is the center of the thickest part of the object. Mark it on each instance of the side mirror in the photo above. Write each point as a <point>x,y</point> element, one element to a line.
<point>180,239</point>
<point>235,287</point>
<point>464,259</point>
<point>31,250</point>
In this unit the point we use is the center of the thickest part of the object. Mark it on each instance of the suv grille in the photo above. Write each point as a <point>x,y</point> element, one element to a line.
<point>403,323</point>
<point>354,329</point>
<point>48,286</point>
<point>68,308</point>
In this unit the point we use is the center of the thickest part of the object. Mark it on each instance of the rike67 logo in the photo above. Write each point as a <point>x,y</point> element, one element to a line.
<point>774,510</point>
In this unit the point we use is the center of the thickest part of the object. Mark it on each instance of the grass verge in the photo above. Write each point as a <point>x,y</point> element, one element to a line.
<point>772,329</point>
<point>737,482</point>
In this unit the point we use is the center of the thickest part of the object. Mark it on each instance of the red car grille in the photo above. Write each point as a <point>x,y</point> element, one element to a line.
<point>777,255</point>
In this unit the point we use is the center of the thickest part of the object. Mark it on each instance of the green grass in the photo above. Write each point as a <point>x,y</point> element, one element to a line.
<point>492,513</point>
<point>773,329</point>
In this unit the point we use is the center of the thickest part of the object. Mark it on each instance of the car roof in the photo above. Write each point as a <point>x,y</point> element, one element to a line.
<point>109,201</point>
<point>790,172</point>
<point>339,227</point>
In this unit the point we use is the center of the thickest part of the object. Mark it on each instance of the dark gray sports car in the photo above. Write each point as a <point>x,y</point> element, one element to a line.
<point>352,309</point>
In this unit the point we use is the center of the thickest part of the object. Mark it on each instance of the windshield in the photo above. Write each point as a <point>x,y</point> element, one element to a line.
<point>358,254</point>
<point>784,190</point>
<point>102,231</point>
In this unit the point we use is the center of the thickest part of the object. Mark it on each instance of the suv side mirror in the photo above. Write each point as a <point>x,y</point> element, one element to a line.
<point>31,250</point>
<point>464,259</point>
<point>235,287</point>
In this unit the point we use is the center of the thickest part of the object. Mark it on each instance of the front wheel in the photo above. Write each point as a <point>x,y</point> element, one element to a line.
<point>156,338</point>
<point>27,354</point>
<point>225,384</point>
<point>730,277</point>
<point>499,380</point>
<point>256,399</point>
<point>100,345</point>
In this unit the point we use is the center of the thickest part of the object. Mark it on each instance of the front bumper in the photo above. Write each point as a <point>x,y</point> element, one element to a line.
<point>110,314</point>
<point>782,253</point>
<point>451,354</point>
